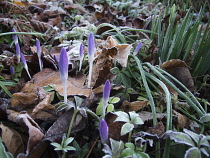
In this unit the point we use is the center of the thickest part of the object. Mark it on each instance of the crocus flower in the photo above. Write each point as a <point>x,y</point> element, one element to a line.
<point>103,130</point>
<point>25,64</point>
<point>38,48</point>
<point>68,49</point>
<point>91,51</point>
<point>12,71</point>
<point>137,48</point>
<point>55,58</point>
<point>106,93</point>
<point>17,46</point>
<point>63,69</point>
<point>81,56</point>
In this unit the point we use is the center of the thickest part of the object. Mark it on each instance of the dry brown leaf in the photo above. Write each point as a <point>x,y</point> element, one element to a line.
<point>101,69</point>
<point>123,50</point>
<point>13,140</point>
<point>134,106</point>
<point>12,115</point>
<point>183,121</point>
<point>158,129</point>
<point>34,131</point>
<point>44,104</point>
<point>51,77</point>
<point>180,71</point>
<point>22,100</point>
<point>111,52</point>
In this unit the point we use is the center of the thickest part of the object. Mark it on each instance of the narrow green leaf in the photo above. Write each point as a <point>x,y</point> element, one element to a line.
<point>56,145</point>
<point>69,148</point>
<point>5,89</point>
<point>68,141</point>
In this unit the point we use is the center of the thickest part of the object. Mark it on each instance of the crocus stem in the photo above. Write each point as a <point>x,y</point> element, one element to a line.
<point>70,127</point>
<point>28,73</point>
<point>80,64</point>
<point>40,64</point>
<point>64,91</point>
<point>90,73</point>
<point>129,136</point>
<point>104,108</point>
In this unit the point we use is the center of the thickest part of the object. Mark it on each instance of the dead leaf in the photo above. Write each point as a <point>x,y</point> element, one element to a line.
<point>111,52</point>
<point>22,100</point>
<point>158,129</point>
<point>44,104</point>
<point>56,131</point>
<point>123,50</point>
<point>34,131</point>
<point>75,85</point>
<point>183,121</point>
<point>13,140</point>
<point>134,106</point>
<point>180,71</point>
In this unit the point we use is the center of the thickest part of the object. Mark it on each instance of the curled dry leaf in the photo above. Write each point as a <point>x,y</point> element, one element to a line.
<point>44,104</point>
<point>122,53</point>
<point>111,52</point>
<point>15,143</point>
<point>180,71</point>
<point>34,131</point>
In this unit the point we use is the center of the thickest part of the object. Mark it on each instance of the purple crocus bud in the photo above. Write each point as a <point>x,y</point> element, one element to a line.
<point>25,64</point>
<point>103,130</point>
<point>15,37</point>
<point>63,69</point>
<point>137,48</point>
<point>17,46</point>
<point>55,58</point>
<point>106,93</point>
<point>91,51</point>
<point>91,47</point>
<point>38,48</point>
<point>68,49</point>
<point>81,56</point>
<point>12,71</point>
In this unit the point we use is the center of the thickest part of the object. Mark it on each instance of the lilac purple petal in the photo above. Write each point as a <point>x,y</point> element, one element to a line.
<point>55,58</point>
<point>63,64</point>
<point>81,51</point>
<point>38,48</point>
<point>91,47</point>
<point>103,130</point>
<point>12,71</point>
<point>15,37</point>
<point>106,90</point>
<point>137,48</point>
